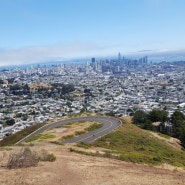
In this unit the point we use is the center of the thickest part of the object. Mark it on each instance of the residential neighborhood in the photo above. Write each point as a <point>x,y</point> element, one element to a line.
<point>120,86</point>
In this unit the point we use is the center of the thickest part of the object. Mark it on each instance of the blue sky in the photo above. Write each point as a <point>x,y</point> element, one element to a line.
<point>38,30</point>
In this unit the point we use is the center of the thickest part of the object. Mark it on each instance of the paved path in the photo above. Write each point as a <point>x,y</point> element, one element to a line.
<point>109,124</point>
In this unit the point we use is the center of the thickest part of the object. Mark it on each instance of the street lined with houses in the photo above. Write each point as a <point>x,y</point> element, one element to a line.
<point>117,87</point>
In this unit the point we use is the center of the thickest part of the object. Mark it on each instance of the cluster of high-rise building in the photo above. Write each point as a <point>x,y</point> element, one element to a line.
<point>117,65</point>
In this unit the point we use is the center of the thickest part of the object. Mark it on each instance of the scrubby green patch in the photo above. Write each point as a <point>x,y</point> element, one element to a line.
<point>70,125</point>
<point>94,126</point>
<point>45,156</point>
<point>67,126</point>
<point>41,137</point>
<point>133,144</point>
<point>57,142</point>
<point>82,152</point>
<point>107,154</point>
<point>164,135</point>
<point>83,145</point>
<point>68,136</point>
<point>74,115</point>
<point>77,133</point>
<point>14,138</point>
<point>90,128</point>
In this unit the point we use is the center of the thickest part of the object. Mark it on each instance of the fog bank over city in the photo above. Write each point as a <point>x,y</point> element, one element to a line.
<point>42,56</point>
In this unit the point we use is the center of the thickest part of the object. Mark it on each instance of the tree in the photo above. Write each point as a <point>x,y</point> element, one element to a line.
<point>67,88</point>
<point>130,112</point>
<point>182,135</point>
<point>84,109</point>
<point>147,125</point>
<point>158,115</point>
<point>139,117</point>
<point>1,81</point>
<point>68,103</point>
<point>11,80</point>
<point>87,91</point>
<point>25,117</point>
<point>15,87</point>
<point>111,113</point>
<point>178,120</point>
<point>10,122</point>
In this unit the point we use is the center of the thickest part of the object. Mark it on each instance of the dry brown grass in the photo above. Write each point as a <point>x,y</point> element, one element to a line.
<point>26,158</point>
<point>22,159</point>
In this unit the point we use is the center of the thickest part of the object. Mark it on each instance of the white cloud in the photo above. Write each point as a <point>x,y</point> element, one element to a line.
<point>38,54</point>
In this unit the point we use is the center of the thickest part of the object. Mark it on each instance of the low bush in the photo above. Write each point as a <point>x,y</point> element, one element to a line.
<point>26,158</point>
<point>44,156</point>
<point>83,145</point>
<point>94,126</point>
<point>23,159</point>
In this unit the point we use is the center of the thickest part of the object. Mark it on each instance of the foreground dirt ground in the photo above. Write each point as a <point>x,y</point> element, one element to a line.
<point>75,169</point>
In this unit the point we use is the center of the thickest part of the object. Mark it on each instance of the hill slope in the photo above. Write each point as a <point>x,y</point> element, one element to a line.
<point>75,169</point>
<point>132,144</point>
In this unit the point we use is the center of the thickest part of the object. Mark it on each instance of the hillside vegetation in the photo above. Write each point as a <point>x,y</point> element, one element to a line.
<point>14,138</point>
<point>132,144</point>
<point>157,120</point>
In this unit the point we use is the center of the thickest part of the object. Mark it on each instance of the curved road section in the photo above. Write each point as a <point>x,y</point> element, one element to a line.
<point>109,124</point>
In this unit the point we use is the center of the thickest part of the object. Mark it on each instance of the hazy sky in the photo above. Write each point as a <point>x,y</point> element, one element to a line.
<point>37,30</point>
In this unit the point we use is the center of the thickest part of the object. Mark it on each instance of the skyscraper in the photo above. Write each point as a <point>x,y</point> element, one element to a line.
<point>119,57</point>
<point>145,60</point>
<point>93,63</point>
<point>93,60</point>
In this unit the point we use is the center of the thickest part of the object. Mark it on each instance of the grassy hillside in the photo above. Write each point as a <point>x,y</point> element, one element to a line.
<point>130,143</point>
<point>14,138</point>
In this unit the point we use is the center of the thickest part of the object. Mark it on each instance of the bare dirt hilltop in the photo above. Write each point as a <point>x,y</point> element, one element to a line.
<point>76,169</point>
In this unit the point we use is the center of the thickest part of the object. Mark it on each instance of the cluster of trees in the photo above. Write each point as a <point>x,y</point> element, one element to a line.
<point>57,89</point>
<point>1,81</point>
<point>178,120</point>
<point>10,81</point>
<point>10,122</point>
<point>17,89</point>
<point>63,88</point>
<point>7,122</point>
<point>146,120</point>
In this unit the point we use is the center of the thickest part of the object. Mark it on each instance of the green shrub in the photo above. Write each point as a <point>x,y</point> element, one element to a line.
<point>44,156</point>
<point>79,133</point>
<point>94,126</point>
<point>68,137</point>
<point>83,145</point>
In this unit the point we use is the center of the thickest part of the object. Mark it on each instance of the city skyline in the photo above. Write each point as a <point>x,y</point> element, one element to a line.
<point>36,31</point>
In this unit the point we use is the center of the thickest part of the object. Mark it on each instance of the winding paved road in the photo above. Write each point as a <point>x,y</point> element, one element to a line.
<point>109,124</point>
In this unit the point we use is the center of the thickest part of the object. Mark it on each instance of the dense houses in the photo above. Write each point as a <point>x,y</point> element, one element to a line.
<point>37,94</point>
